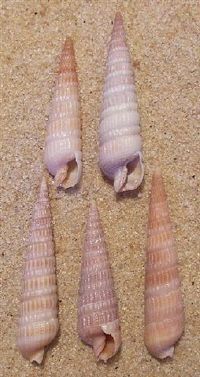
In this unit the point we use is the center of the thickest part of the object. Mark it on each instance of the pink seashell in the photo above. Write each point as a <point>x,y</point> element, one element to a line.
<point>38,322</point>
<point>63,143</point>
<point>120,156</point>
<point>164,311</point>
<point>98,322</point>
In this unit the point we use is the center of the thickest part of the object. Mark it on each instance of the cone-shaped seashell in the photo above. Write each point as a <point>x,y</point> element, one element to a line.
<point>164,312</point>
<point>120,156</point>
<point>38,322</point>
<point>63,144</point>
<point>98,322</point>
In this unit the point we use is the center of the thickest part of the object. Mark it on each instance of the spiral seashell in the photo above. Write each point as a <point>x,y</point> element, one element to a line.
<point>63,144</point>
<point>164,311</point>
<point>120,156</point>
<point>98,322</point>
<point>38,322</point>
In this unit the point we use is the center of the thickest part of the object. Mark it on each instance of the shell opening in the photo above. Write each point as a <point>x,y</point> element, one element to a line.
<point>104,346</point>
<point>166,353</point>
<point>107,343</point>
<point>130,176</point>
<point>68,176</point>
<point>109,348</point>
<point>37,356</point>
<point>33,355</point>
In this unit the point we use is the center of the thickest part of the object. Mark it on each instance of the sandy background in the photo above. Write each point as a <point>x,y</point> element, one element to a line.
<point>163,40</point>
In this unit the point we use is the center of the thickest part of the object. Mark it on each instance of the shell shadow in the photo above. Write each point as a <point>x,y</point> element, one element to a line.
<point>114,359</point>
<point>131,194</point>
<point>70,191</point>
<point>107,180</point>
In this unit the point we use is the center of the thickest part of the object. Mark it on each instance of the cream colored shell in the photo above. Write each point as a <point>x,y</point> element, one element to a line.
<point>164,311</point>
<point>63,144</point>
<point>38,322</point>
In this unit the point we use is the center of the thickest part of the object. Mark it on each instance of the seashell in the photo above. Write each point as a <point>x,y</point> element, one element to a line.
<point>63,143</point>
<point>164,311</point>
<point>120,156</point>
<point>98,322</point>
<point>38,322</point>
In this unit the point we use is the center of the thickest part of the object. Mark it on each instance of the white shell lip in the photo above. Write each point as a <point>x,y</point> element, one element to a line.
<point>130,176</point>
<point>67,170</point>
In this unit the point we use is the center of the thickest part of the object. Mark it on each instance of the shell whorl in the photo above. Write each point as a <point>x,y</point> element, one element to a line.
<point>98,322</point>
<point>164,311</point>
<point>38,322</point>
<point>120,156</point>
<point>63,143</point>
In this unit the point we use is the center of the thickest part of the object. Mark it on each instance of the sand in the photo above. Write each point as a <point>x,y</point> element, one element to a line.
<point>163,40</point>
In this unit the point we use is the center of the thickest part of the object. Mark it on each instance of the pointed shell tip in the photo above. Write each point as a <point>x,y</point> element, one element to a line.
<point>68,42</point>
<point>93,207</point>
<point>43,181</point>
<point>92,202</point>
<point>118,17</point>
<point>157,169</point>
<point>43,185</point>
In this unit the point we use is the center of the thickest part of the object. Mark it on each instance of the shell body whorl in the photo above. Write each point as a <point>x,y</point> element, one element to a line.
<point>120,156</point>
<point>63,143</point>
<point>38,322</point>
<point>164,311</point>
<point>98,322</point>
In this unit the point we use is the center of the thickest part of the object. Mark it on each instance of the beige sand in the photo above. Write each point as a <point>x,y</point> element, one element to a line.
<point>162,36</point>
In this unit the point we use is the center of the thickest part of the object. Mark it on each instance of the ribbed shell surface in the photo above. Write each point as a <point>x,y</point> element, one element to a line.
<point>120,155</point>
<point>63,143</point>
<point>164,312</point>
<point>38,322</point>
<point>98,322</point>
